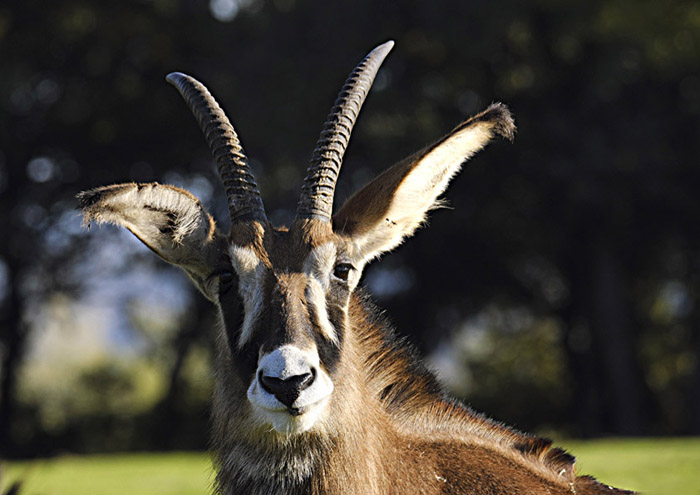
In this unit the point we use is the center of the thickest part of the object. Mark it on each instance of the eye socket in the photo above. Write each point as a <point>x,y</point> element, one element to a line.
<point>342,270</point>
<point>226,280</point>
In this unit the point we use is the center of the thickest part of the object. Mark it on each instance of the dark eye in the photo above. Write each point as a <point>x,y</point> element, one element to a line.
<point>342,270</point>
<point>226,279</point>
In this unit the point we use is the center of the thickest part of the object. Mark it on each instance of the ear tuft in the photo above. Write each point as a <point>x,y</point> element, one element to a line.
<point>499,116</point>
<point>86,199</point>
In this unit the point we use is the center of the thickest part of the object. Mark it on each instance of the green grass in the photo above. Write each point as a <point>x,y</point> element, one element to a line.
<point>122,474</point>
<point>652,466</point>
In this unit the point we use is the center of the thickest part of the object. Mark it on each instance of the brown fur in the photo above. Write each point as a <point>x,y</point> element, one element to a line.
<point>392,432</point>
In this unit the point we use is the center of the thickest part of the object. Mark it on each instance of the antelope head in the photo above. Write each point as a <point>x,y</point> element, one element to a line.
<point>293,286</point>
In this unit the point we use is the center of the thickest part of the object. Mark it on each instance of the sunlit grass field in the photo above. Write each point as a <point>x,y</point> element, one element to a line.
<point>652,466</point>
<point>115,474</point>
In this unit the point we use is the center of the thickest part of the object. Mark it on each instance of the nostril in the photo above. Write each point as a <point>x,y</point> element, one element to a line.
<point>304,381</point>
<point>271,384</point>
<point>288,389</point>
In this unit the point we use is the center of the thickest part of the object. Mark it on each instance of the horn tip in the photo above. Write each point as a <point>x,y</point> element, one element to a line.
<point>385,47</point>
<point>174,77</point>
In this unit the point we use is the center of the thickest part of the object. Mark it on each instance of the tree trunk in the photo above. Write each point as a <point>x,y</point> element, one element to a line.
<point>611,326</point>
<point>13,339</point>
<point>581,359</point>
<point>693,392</point>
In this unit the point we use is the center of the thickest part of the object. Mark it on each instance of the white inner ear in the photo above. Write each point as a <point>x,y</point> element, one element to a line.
<point>250,271</point>
<point>418,192</point>
<point>190,215</point>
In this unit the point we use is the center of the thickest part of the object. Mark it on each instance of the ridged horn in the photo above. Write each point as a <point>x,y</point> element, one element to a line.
<point>242,193</point>
<point>319,185</point>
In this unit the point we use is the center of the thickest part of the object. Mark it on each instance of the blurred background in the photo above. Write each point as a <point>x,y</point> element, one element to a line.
<point>560,292</point>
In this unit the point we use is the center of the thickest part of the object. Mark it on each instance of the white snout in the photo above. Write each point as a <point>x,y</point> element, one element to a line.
<point>287,363</point>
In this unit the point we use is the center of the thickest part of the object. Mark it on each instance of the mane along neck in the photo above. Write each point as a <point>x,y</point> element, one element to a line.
<point>418,405</point>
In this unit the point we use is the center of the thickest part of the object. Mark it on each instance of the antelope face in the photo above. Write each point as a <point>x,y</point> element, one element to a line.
<point>294,290</point>
<point>294,285</point>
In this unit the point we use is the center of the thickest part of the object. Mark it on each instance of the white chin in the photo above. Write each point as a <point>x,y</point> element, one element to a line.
<point>287,424</point>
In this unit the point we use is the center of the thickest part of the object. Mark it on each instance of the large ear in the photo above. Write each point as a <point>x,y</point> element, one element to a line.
<point>170,221</point>
<point>391,207</point>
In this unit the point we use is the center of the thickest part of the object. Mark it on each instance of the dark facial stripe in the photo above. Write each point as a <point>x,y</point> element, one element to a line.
<point>245,358</point>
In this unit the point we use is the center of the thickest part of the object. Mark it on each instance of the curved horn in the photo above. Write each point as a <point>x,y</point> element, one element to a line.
<point>319,185</point>
<point>242,192</point>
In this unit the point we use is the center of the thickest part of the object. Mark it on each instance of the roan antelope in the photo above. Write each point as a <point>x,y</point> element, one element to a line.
<point>314,392</point>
